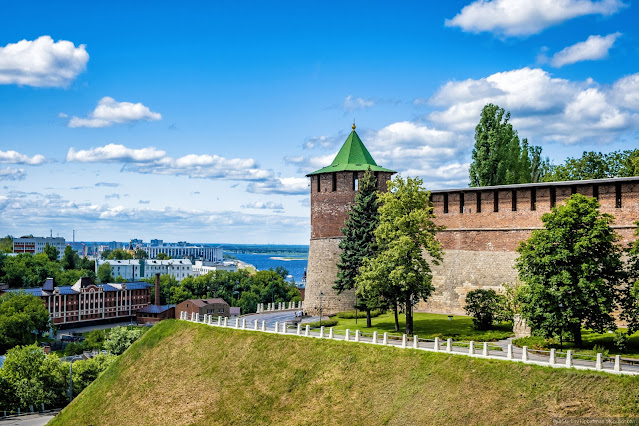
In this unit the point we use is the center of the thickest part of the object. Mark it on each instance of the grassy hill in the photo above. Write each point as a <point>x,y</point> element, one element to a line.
<point>184,373</point>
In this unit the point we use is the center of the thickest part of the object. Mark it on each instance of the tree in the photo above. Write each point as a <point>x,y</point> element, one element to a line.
<point>119,254</point>
<point>22,318</point>
<point>595,165</point>
<point>498,156</point>
<point>140,254</point>
<point>484,306</point>
<point>51,252</point>
<point>6,244</point>
<point>162,256</point>
<point>359,238</point>
<point>69,258</point>
<point>629,292</point>
<point>104,273</point>
<point>571,268</point>
<point>27,270</point>
<point>406,230</point>
<point>120,338</point>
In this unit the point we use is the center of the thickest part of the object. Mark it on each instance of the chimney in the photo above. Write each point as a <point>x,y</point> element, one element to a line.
<point>157,289</point>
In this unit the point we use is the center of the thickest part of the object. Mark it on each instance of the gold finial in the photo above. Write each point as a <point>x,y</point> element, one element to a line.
<point>353,125</point>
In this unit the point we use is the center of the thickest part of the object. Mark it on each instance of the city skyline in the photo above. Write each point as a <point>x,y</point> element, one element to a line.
<point>200,123</point>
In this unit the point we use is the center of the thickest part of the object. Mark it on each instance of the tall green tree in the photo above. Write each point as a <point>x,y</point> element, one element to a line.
<point>499,158</point>
<point>104,273</point>
<point>6,244</point>
<point>572,268</point>
<point>22,318</point>
<point>406,231</point>
<point>140,254</point>
<point>69,258</point>
<point>359,238</point>
<point>51,252</point>
<point>596,165</point>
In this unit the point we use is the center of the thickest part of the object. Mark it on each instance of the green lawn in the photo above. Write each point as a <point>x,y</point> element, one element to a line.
<point>428,326</point>
<point>590,339</point>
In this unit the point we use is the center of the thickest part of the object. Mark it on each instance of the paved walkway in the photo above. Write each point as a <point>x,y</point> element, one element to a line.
<point>28,420</point>
<point>496,350</point>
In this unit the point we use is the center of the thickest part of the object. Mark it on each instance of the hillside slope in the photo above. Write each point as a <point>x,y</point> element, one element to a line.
<point>184,373</point>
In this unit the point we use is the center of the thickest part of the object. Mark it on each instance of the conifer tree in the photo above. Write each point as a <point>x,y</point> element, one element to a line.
<point>359,237</point>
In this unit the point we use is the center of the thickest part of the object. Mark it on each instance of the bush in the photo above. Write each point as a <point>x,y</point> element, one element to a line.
<point>484,306</point>
<point>533,342</point>
<point>326,323</point>
<point>620,340</point>
<point>360,314</point>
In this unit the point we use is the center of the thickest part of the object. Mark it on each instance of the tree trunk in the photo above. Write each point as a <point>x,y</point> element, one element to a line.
<point>409,317</point>
<point>575,330</point>
<point>368,318</point>
<point>396,317</point>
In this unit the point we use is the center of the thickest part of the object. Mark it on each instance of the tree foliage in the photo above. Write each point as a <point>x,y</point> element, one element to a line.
<point>162,256</point>
<point>499,158</point>
<point>571,268</point>
<point>51,252</point>
<point>485,306</point>
<point>22,318</point>
<point>399,272</point>
<point>118,254</point>
<point>31,270</point>
<point>140,254</point>
<point>120,338</point>
<point>6,244</point>
<point>359,238</point>
<point>595,165</point>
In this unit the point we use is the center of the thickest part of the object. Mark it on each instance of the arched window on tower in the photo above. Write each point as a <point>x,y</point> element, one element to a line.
<point>355,182</point>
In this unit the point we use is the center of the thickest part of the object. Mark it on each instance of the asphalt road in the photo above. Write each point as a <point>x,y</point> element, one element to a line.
<point>29,420</point>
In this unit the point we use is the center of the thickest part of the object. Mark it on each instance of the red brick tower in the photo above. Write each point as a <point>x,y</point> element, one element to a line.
<point>333,190</point>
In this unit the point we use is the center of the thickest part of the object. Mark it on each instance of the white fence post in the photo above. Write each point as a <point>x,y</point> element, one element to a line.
<point>347,335</point>
<point>553,356</point>
<point>599,363</point>
<point>255,325</point>
<point>321,332</point>
<point>449,345</point>
<point>484,351</point>
<point>237,323</point>
<point>471,348</point>
<point>509,352</point>
<point>263,325</point>
<point>415,341</point>
<point>243,323</point>
<point>226,321</point>
<point>219,320</point>
<point>330,333</point>
<point>568,358</point>
<point>374,337</point>
<point>277,326</point>
<point>357,335</point>
<point>404,341</point>
<point>307,330</point>
<point>284,327</point>
<point>524,354</point>
<point>299,328</point>
<point>617,366</point>
<point>436,345</point>
<point>385,340</point>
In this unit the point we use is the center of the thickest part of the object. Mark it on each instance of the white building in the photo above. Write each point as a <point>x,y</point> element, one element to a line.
<point>212,254</point>
<point>36,245</point>
<point>138,269</point>
<point>204,267</point>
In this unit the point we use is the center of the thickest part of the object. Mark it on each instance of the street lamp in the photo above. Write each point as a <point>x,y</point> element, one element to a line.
<point>320,321</point>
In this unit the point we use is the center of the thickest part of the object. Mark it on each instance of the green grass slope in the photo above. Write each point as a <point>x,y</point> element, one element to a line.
<point>184,373</point>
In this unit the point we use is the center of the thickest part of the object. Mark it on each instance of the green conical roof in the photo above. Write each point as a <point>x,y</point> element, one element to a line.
<point>353,156</point>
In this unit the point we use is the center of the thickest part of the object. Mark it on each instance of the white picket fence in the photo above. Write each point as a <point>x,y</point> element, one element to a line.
<point>436,345</point>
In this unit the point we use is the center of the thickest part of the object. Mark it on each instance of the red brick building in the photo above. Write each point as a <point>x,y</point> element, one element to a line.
<point>153,314</point>
<point>216,307</point>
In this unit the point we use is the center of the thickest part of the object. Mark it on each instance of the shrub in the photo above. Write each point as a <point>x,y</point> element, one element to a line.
<point>533,342</point>
<point>484,306</point>
<point>326,323</point>
<point>620,340</point>
<point>360,314</point>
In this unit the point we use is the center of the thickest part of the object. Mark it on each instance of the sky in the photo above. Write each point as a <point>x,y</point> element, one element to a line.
<point>198,121</point>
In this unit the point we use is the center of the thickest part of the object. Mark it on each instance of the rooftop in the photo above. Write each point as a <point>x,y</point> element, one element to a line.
<point>353,156</point>
<point>155,309</point>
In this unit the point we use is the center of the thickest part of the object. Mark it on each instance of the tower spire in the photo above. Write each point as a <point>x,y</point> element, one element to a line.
<point>353,124</point>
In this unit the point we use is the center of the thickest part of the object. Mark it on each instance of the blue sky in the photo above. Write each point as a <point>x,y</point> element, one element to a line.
<point>199,121</point>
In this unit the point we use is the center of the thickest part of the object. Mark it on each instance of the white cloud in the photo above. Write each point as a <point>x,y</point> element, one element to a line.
<point>267,205</point>
<point>543,108</point>
<point>144,202</point>
<point>112,197</point>
<point>109,112</point>
<point>284,186</point>
<point>351,103</point>
<point>42,62</point>
<point>594,48</point>
<point>109,184</point>
<point>115,153</point>
<point>9,173</point>
<point>13,157</point>
<point>526,17</point>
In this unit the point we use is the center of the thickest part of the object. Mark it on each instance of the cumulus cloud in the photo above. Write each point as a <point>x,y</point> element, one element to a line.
<point>9,173</point>
<point>115,153</point>
<point>352,103</point>
<point>13,157</point>
<point>109,112</point>
<point>284,186</point>
<point>526,17</point>
<point>42,62</point>
<point>625,91</point>
<point>266,205</point>
<point>32,210</point>
<point>594,48</point>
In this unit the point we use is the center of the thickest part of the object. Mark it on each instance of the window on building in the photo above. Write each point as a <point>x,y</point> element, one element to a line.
<point>514,199</point>
<point>334,182</point>
<point>462,208</point>
<point>595,191</point>
<point>553,197</point>
<point>478,197</point>
<point>533,199</point>
<point>355,181</point>
<point>495,201</point>
<point>445,202</point>
<point>618,195</point>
